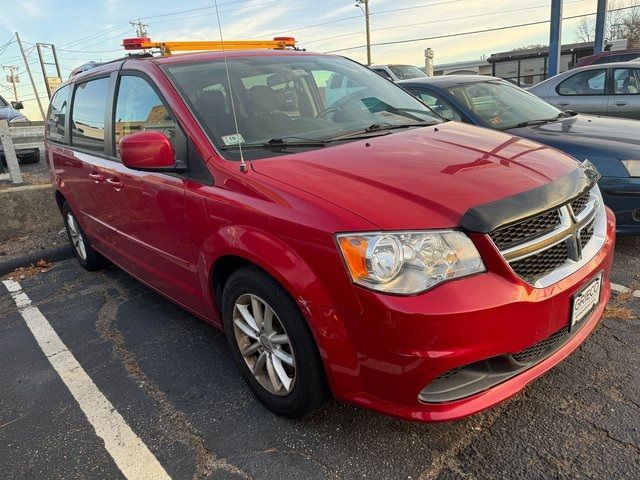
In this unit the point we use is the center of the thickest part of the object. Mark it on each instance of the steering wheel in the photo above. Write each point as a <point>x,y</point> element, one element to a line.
<point>343,102</point>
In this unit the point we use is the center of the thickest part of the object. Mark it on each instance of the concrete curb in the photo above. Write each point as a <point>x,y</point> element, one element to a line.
<point>57,254</point>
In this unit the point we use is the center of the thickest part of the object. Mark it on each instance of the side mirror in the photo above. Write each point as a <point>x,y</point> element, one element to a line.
<point>17,105</point>
<point>149,151</point>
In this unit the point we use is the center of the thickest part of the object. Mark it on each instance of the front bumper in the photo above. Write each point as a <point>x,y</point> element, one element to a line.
<point>622,195</point>
<point>383,357</point>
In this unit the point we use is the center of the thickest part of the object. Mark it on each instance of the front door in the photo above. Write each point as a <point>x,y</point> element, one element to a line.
<point>153,241</point>
<point>583,92</point>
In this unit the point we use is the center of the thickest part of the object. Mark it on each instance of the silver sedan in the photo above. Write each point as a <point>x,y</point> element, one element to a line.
<point>612,89</point>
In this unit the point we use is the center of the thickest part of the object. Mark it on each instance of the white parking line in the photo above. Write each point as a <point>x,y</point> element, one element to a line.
<point>619,288</point>
<point>130,454</point>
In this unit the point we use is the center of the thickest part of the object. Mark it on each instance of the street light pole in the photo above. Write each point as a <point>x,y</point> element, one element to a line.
<point>359,4</point>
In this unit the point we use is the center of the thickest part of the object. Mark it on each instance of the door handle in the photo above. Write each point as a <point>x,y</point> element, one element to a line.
<point>97,177</point>
<point>115,183</point>
<point>619,104</point>
<point>563,104</point>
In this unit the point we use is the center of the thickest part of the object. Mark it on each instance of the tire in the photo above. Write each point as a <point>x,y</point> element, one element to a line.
<point>85,254</point>
<point>33,157</point>
<point>308,388</point>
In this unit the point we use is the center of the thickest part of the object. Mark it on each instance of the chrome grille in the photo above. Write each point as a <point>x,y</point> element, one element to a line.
<point>546,248</point>
<point>532,268</point>
<point>586,234</point>
<point>579,203</point>
<point>530,228</point>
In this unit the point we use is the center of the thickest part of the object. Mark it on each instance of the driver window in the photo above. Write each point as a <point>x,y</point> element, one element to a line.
<point>139,108</point>
<point>439,105</point>
<point>626,81</point>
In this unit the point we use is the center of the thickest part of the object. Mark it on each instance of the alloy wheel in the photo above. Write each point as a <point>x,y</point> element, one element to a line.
<point>264,344</point>
<point>76,236</point>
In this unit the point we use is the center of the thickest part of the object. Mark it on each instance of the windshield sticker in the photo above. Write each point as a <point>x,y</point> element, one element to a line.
<point>495,120</point>
<point>233,139</point>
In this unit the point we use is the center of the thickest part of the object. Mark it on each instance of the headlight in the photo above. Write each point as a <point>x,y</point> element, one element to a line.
<point>633,167</point>
<point>19,119</point>
<point>408,262</point>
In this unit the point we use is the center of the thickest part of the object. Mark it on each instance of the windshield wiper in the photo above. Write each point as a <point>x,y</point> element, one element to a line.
<point>275,144</point>
<point>376,129</point>
<point>542,121</point>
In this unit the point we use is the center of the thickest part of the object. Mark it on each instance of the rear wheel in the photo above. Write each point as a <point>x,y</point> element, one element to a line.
<point>271,344</point>
<point>85,254</point>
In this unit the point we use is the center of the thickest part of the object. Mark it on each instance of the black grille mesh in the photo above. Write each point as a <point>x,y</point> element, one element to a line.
<point>540,348</point>
<point>586,234</point>
<point>449,373</point>
<point>579,203</point>
<point>536,266</point>
<point>531,228</point>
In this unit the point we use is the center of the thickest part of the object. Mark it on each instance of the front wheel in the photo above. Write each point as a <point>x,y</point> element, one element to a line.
<point>271,344</point>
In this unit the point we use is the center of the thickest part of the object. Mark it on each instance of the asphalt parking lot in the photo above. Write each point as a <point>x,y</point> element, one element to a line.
<point>174,383</point>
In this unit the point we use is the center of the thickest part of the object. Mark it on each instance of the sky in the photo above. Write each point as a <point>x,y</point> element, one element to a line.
<point>93,29</point>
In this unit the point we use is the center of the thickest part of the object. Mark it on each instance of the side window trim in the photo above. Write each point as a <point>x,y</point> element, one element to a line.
<point>70,117</point>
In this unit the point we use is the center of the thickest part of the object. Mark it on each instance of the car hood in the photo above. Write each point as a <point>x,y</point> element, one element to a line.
<point>422,178</point>
<point>8,113</point>
<point>587,128</point>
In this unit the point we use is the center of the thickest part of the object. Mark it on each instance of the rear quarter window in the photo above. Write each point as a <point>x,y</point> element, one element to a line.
<point>56,130</point>
<point>87,116</point>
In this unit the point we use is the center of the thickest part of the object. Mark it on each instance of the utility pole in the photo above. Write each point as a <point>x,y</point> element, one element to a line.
<point>141,28</point>
<point>51,82</point>
<point>12,78</point>
<point>359,4</point>
<point>33,84</point>
<point>601,17</point>
<point>555,38</point>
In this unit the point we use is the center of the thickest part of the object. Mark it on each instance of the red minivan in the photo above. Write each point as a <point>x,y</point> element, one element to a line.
<point>358,246</point>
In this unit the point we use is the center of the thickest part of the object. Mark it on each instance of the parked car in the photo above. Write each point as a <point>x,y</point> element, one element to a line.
<point>609,57</point>
<point>611,144</point>
<point>612,89</point>
<point>10,113</point>
<point>398,72</point>
<point>426,270</point>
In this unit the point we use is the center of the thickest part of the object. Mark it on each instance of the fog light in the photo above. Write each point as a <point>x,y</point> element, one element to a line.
<point>636,214</point>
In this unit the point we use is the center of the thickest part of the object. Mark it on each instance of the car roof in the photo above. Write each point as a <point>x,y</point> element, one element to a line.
<point>115,64</point>
<point>449,80</point>
<point>634,63</point>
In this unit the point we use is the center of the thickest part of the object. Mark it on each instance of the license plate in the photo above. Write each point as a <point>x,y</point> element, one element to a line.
<point>585,301</point>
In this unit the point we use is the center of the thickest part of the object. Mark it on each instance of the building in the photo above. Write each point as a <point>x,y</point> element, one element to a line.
<point>524,67</point>
<point>467,67</point>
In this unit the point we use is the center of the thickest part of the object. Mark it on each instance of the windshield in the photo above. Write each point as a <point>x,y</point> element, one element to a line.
<point>406,72</point>
<point>502,105</point>
<point>292,98</point>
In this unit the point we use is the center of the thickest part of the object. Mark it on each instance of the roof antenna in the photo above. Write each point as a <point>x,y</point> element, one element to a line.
<point>243,165</point>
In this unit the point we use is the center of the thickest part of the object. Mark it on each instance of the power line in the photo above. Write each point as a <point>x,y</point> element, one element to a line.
<point>466,17</point>
<point>474,32</point>
<point>343,19</point>
<point>96,34</point>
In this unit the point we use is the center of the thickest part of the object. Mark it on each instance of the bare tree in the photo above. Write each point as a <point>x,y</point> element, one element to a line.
<point>618,24</point>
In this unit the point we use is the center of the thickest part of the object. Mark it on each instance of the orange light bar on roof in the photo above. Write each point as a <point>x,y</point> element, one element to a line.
<point>140,43</point>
